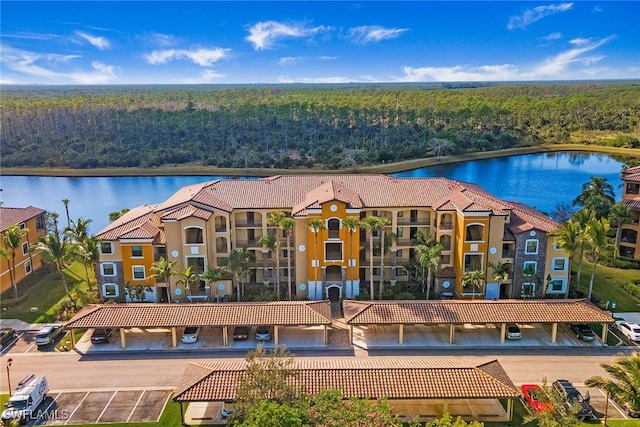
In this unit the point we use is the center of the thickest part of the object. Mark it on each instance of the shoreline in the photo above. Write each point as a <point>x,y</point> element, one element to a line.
<point>194,170</point>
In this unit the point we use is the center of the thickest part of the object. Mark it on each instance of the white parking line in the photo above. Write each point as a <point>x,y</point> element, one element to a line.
<point>76,408</point>
<point>53,400</point>
<point>106,406</point>
<point>615,405</point>
<point>135,406</point>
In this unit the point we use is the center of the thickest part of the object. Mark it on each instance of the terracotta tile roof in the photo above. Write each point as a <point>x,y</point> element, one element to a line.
<point>631,174</point>
<point>360,378</point>
<point>633,204</point>
<point>206,314</point>
<point>127,222</point>
<point>465,311</point>
<point>328,191</point>
<point>11,216</point>
<point>143,231</point>
<point>525,218</point>
<point>186,212</point>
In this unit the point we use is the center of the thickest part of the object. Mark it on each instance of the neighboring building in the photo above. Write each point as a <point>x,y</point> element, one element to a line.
<point>629,244</point>
<point>201,224</point>
<point>34,220</point>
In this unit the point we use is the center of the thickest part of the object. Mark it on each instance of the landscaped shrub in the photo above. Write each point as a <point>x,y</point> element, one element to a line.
<point>633,287</point>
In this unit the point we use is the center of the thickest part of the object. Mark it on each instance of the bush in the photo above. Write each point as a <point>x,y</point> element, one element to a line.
<point>633,287</point>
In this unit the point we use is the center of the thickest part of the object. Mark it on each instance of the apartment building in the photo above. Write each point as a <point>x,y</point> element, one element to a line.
<point>629,245</point>
<point>33,220</point>
<point>201,224</point>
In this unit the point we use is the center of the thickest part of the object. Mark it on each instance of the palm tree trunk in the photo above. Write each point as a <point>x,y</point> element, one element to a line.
<point>381,286</point>
<point>371,286</point>
<point>12,276</point>
<point>580,265</point>
<point>593,273</point>
<point>289,266</point>
<point>618,235</point>
<point>429,273</point>
<point>64,279</point>
<point>349,266</point>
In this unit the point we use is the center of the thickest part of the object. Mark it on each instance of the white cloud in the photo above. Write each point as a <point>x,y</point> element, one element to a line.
<point>97,41</point>
<point>204,77</point>
<point>552,36</point>
<point>557,65</point>
<point>263,35</point>
<point>202,57</point>
<point>460,73</point>
<point>295,60</point>
<point>374,33</point>
<point>530,16</point>
<point>162,39</point>
<point>319,80</point>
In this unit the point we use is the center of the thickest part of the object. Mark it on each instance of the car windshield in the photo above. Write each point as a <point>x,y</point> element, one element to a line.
<point>636,330</point>
<point>43,334</point>
<point>190,330</point>
<point>16,404</point>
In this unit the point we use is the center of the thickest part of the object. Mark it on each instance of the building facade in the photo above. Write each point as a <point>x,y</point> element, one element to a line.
<point>629,246</point>
<point>201,225</point>
<point>32,219</point>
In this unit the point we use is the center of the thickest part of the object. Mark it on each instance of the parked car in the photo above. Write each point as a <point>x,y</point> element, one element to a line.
<point>190,334</point>
<point>263,333</point>
<point>631,330</point>
<point>240,333</point>
<point>48,334</point>
<point>536,398</point>
<point>102,336</point>
<point>572,398</point>
<point>7,336</point>
<point>513,332</point>
<point>227,409</point>
<point>583,331</point>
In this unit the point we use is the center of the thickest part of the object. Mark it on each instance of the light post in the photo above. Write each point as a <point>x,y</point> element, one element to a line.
<point>9,360</point>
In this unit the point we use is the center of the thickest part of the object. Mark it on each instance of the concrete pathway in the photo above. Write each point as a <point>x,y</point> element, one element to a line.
<point>19,325</point>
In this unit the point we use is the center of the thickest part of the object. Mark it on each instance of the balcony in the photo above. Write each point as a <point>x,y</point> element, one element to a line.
<point>414,221</point>
<point>245,224</point>
<point>247,242</point>
<point>508,253</point>
<point>445,225</point>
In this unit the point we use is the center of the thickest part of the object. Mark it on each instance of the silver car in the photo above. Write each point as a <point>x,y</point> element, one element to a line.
<point>48,334</point>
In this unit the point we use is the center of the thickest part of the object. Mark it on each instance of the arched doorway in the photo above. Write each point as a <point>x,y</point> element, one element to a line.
<point>333,293</point>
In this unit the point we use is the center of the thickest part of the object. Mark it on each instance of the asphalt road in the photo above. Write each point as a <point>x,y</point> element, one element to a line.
<point>72,371</point>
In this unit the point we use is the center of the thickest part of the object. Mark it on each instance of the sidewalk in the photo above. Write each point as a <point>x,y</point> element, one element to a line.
<point>19,325</point>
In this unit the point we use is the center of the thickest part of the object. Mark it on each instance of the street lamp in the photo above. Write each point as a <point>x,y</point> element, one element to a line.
<point>9,360</point>
<point>613,307</point>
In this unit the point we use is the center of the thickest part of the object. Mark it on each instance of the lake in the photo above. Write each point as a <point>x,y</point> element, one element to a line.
<point>539,180</point>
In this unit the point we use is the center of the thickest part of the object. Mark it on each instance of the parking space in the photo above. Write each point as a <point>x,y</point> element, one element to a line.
<point>26,343</point>
<point>115,406</point>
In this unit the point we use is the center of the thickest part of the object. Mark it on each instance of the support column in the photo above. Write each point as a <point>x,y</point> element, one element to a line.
<point>123,339</point>
<point>225,336</point>
<point>275,335</point>
<point>73,338</point>
<point>325,335</point>
<point>350,334</point>
<point>174,337</point>
<point>445,406</point>
<point>510,409</point>
<point>401,334</point>
<point>554,333</point>
<point>452,334</point>
<point>605,330</point>
<point>503,332</point>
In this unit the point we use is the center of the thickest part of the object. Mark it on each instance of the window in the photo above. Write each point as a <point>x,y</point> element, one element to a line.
<point>138,272</point>
<point>196,264</point>
<point>110,290</point>
<point>40,222</point>
<point>22,226</point>
<point>559,264</point>
<point>25,248</point>
<point>445,259</point>
<point>193,235</point>
<point>376,271</point>
<point>555,246</point>
<point>136,251</point>
<point>472,262</point>
<point>399,232</point>
<point>108,269</point>
<point>106,248</point>
<point>531,247</point>
<point>285,272</point>
<point>632,188</point>
<point>475,232</point>
<point>556,286</point>
<point>400,214</point>
<point>333,225</point>
<point>530,268</point>
<point>27,267</point>
<point>528,290</point>
<point>399,253</point>
<point>333,251</point>
<point>401,271</point>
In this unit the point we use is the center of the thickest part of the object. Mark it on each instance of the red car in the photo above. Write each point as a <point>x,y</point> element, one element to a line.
<point>536,398</point>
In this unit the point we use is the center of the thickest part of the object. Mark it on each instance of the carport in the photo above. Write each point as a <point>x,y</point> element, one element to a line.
<point>460,312</point>
<point>223,315</point>
<point>413,387</point>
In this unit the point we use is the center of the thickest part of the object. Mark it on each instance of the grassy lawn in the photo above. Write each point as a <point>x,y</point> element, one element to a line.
<point>65,343</point>
<point>607,285</point>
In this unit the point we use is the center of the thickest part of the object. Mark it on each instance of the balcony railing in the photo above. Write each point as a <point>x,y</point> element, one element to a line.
<point>445,225</point>
<point>414,221</point>
<point>248,224</point>
<point>247,242</point>
<point>508,254</point>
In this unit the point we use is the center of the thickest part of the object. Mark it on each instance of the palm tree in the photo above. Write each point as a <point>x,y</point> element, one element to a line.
<point>315,225</point>
<point>597,195</point>
<point>475,279</point>
<point>58,250</point>
<point>188,278</point>
<point>351,224</point>
<point>273,219</point>
<point>582,218</point>
<point>287,224</point>
<point>429,252</point>
<point>239,265</point>
<point>596,236</point>
<point>369,224</point>
<point>500,272</point>
<point>79,230</point>
<point>624,384</point>
<point>88,253</point>
<point>53,216</point>
<point>212,275</point>
<point>12,240</point>
<point>163,269</point>
<point>66,208</point>
<point>269,242</point>
<point>619,214</point>
<point>568,237</point>
<point>382,224</point>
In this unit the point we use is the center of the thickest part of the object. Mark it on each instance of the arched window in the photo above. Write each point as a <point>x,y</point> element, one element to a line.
<point>475,233</point>
<point>333,225</point>
<point>193,235</point>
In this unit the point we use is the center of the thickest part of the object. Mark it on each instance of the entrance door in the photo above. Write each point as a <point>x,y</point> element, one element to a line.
<point>334,294</point>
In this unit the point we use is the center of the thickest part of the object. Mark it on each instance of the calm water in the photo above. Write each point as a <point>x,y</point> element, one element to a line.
<point>539,180</point>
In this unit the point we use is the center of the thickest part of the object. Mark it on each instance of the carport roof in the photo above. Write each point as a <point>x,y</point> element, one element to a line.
<point>364,378</point>
<point>204,314</point>
<point>469,311</point>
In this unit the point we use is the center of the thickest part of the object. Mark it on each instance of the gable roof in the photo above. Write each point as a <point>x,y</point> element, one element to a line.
<point>360,378</point>
<point>525,218</point>
<point>631,174</point>
<point>470,311</point>
<point>11,216</point>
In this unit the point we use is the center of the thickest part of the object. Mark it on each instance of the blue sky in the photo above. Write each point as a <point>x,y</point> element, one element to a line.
<point>214,42</point>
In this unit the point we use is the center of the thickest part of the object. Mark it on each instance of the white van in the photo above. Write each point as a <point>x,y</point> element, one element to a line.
<point>31,392</point>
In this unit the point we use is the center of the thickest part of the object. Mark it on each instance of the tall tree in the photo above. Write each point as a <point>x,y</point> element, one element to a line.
<point>88,253</point>
<point>270,244</point>
<point>429,252</point>
<point>624,382</point>
<point>598,195</point>
<point>619,215</point>
<point>274,219</point>
<point>351,224</point>
<point>475,279</point>
<point>369,224</point>
<point>65,202</point>
<point>596,236</point>
<point>78,230</point>
<point>582,218</point>
<point>500,272</point>
<point>569,237</point>
<point>12,240</point>
<point>239,266</point>
<point>287,224</point>
<point>316,225</point>
<point>212,275</point>
<point>382,225</point>
<point>188,279</point>
<point>163,269</point>
<point>57,249</point>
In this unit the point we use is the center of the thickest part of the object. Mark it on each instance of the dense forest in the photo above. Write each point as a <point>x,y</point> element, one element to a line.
<point>298,126</point>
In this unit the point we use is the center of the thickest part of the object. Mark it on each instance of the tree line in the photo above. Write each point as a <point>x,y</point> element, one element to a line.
<point>297,126</point>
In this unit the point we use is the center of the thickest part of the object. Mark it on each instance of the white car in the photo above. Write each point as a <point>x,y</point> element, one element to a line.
<point>190,334</point>
<point>630,330</point>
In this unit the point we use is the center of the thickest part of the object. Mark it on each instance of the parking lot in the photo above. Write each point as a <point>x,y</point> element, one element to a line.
<point>107,406</point>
